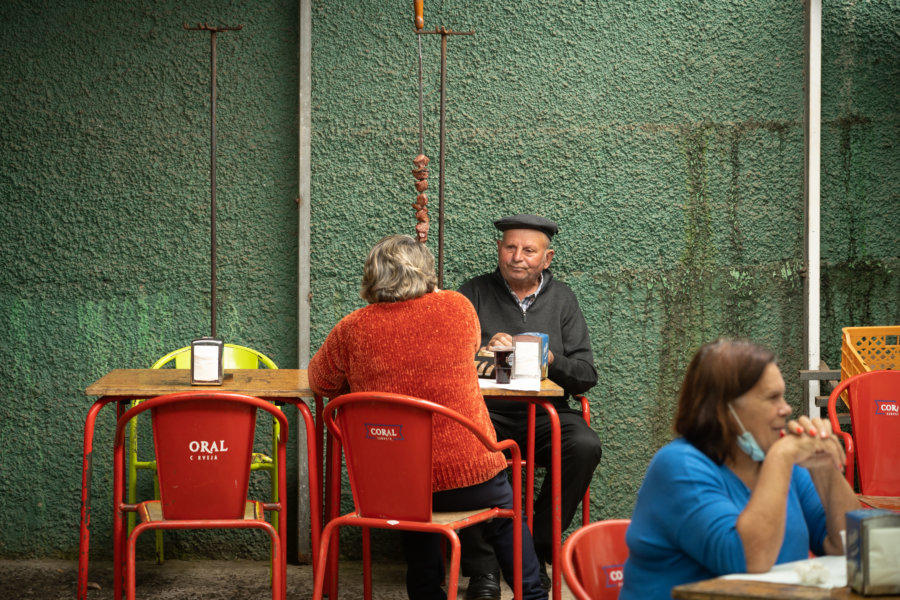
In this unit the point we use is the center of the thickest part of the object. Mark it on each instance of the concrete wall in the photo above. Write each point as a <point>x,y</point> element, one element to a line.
<point>665,137</point>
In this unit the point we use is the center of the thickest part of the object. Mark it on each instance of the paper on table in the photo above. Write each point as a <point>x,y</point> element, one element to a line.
<point>788,572</point>
<point>518,384</point>
<point>527,364</point>
<point>206,363</point>
<point>884,561</point>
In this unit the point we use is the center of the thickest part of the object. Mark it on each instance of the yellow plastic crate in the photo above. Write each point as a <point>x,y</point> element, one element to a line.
<point>869,349</point>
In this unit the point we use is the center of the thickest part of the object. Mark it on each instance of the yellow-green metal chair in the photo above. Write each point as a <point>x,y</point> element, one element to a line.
<point>234,357</point>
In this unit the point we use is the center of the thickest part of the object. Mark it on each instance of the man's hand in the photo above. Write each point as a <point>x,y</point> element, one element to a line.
<point>500,339</point>
<point>504,339</point>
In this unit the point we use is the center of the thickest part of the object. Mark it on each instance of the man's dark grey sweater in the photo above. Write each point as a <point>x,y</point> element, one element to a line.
<point>555,311</point>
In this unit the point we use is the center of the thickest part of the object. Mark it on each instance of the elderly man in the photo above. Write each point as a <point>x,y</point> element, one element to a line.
<point>522,296</point>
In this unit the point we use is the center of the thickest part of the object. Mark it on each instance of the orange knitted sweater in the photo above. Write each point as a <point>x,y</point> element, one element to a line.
<point>422,347</point>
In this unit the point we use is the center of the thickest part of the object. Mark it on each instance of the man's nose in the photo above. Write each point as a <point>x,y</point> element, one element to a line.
<point>517,255</point>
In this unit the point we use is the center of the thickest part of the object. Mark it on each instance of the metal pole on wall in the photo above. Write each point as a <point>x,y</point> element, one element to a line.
<point>443,32</point>
<point>212,160</point>
<point>304,292</point>
<point>812,255</point>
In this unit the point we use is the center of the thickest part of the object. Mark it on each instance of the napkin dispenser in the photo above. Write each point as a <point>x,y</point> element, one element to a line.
<point>532,351</point>
<point>873,551</point>
<point>207,358</point>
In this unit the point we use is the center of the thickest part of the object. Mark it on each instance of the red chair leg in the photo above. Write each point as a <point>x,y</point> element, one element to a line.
<point>367,563</point>
<point>455,550</point>
<point>330,533</point>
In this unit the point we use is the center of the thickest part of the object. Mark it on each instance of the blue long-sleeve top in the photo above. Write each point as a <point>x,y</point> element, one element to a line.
<point>684,524</point>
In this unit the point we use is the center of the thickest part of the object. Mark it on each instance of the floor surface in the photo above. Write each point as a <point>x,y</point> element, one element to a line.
<point>189,580</point>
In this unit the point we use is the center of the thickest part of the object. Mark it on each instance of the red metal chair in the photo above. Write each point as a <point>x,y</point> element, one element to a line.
<point>387,442</point>
<point>203,441</point>
<point>874,446</point>
<point>235,357</point>
<point>593,559</point>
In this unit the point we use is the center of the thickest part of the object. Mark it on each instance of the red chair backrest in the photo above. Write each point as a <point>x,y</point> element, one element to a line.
<point>203,450</point>
<point>385,443</point>
<point>594,559</point>
<point>875,419</point>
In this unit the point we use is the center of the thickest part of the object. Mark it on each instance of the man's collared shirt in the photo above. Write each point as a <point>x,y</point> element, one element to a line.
<point>528,300</point>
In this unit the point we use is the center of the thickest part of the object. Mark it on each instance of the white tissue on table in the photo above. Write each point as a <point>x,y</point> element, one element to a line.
<point>812,573</point>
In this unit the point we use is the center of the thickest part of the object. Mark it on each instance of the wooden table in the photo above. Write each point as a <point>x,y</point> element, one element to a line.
<point>736,589</point>
<point>124,385</point>
<point>886,502</point>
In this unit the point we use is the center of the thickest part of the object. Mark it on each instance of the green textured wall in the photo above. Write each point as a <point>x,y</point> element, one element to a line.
<point>105,224</point>
<point>667,140</point>
<point>665,137</point>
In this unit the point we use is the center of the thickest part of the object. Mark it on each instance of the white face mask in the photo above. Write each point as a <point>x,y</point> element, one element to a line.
<point>746,441</point>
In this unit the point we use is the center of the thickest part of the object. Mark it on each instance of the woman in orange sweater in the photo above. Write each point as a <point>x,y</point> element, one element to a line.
<point>417,340</point>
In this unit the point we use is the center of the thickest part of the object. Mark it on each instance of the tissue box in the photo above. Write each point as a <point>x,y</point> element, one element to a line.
<point>532,353</point>
<point>873,551</point>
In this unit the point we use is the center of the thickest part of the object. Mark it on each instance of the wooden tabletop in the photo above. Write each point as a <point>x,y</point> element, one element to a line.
<point>145,383</point>
<point>886,502</point>
<point>736,589</point>
<point>269,383</point>
<point>548,390</point>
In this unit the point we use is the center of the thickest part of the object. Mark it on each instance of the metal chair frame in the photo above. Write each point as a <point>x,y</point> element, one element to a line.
<point>593,559</point>
<point>251,516</point>
<point>869,444</point>
<point>235,357</point>
<point>338,414</point>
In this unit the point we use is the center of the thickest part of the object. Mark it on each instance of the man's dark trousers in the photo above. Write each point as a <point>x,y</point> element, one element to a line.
<point>580,455</point>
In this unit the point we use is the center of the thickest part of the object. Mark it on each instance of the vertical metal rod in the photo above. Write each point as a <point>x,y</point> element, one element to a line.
<point>443,32</point>
<point>442,153</point>
<point>212,180</point>
<point>812,196</point>
<point>421,93</point>
<point>212,158</point>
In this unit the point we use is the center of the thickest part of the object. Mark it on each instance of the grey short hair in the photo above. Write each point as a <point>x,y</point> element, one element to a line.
<point>398,268</point>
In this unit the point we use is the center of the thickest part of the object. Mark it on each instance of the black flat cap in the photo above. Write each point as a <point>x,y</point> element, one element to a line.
<point>527,222</point>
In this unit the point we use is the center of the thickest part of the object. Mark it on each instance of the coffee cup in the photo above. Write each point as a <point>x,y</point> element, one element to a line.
<point>503,363</point>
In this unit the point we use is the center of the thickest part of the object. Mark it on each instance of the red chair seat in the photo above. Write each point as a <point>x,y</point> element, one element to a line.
<point>151,511</point>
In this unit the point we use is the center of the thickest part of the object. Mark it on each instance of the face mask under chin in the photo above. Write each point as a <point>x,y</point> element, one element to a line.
<point>746,442</point>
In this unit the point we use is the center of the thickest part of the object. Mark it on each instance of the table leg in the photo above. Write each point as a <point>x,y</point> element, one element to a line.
<point>331,484</point>
<point>529,469</point>
<point>84,541</point>
<point>556,489</point>
<point>313,462</point>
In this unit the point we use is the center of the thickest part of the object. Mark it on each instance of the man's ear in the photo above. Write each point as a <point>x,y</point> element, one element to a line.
<point>548,257</point>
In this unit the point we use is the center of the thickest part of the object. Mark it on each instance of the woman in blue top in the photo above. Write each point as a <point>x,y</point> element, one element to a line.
<point>743,488</point>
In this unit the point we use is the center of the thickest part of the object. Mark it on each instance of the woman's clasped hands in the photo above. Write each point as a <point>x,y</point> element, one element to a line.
<point>812,444</point>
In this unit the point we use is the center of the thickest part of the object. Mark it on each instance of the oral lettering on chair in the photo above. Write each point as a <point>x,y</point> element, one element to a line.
<point>384,433</point>
<point>206,450</point>
<point>889,408</point>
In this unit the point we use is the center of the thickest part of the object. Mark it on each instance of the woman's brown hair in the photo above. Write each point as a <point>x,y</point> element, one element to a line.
<point>720,372</point>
